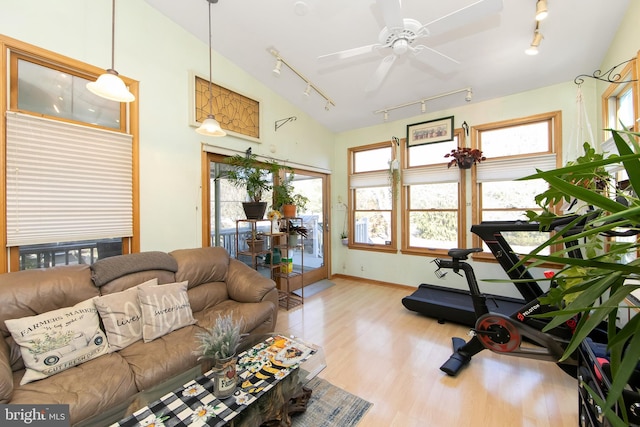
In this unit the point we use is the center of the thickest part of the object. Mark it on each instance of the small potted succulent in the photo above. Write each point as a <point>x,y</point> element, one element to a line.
<point>464,157</point>
<point>220,344</point>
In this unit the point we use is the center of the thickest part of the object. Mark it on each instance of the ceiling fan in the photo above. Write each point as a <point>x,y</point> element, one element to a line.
<point>401,34</point>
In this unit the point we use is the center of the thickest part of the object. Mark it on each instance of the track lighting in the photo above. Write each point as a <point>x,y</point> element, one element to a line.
<point>276,71</point>
<point>109,85</point>
<point>533,49</point>
<point>541,10</point>
<point>423,102</point>
<point>210,126</point>
<point>278,67</point>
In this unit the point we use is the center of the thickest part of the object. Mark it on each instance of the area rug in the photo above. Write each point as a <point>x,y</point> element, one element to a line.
<point>331,406</point>
<point>314,288</point>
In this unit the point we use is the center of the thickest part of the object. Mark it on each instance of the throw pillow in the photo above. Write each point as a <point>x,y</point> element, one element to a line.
<point>57,340</point>
<point>121,316</point>
<point>165,308</point>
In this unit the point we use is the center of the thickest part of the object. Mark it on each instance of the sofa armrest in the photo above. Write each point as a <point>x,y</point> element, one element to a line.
<point>6,375</point>
<point>244,284</point>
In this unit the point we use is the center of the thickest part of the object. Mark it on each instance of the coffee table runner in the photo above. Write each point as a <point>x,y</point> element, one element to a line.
<point>259,369</point>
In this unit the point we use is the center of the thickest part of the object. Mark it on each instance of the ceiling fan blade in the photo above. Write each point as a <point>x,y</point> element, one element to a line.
<point>435,59</point>
<point>461,17</point>
<point>381,72</point>
<point>349,53</point>
<point>391,13</point>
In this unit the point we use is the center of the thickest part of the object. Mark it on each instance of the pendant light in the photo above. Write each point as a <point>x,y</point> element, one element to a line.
<point>210,125</point>
<point>109,85</point>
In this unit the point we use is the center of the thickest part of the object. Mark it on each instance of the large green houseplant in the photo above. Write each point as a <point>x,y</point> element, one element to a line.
<point>255,177</point>
<point>596,285</point>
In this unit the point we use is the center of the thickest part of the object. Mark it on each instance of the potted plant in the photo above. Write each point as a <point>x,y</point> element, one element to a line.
<point>294,231</point>
<point>285,199</point>
<point>345,238</point>
<point>596,284</point>
<point>464,157</point>
<point>256,242</point>
<point>254,176</point>
<point>220,344</point>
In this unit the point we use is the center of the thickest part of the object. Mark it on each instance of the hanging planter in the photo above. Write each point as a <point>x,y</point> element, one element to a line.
<point>464,157</point>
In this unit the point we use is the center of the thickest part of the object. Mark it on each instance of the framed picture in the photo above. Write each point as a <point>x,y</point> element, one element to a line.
<point>429,132</point>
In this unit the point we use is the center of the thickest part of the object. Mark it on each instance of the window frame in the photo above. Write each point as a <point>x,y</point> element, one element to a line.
<point>406,203</point>
<point>393,246</point>
<point>554,120</point>
<point>11,49</point>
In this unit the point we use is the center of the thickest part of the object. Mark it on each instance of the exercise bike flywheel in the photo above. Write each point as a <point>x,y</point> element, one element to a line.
<point>498,333</point>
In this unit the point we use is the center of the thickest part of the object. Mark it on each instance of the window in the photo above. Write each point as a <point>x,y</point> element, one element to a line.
<point>73,199</point>
<point>515,149</point>
<point>372,202</point>
<point>433,192</point>
<point>619,100</point>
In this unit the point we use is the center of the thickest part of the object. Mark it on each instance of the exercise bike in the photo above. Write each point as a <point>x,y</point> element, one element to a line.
<point>501,333</point>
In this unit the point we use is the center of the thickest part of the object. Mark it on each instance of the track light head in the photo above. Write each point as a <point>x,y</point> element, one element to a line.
<point>533,49</point>
<point>386,116</point>
<point>327,106</point>
<point>469,94</point>
<point>541,10</point>
<point>278,67</point>
<point>423,107</point>
<point>307,91</point>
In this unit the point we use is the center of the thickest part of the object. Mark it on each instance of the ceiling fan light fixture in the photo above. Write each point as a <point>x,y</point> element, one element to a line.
<point>109,85</point>
<point>210,126</point>
<point>400,46</point>
<point>278,67</point>
<point>541,10</point>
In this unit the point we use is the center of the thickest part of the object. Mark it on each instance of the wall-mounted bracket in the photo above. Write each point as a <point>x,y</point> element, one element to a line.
<point>609,76</point>
<point>282,122</point>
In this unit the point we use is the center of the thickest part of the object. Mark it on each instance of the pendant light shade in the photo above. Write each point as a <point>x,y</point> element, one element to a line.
<point>109,85</point>
<point>210,125</point>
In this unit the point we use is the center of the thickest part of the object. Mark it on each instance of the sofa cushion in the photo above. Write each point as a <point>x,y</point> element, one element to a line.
<point>108,269</point>
<point>163,358</point>
<point>59,339</point>
<point>165,308</point>
<point>201,265</point>
<point>88,389</point>
<point>121,316</point>
<point>253,315</point>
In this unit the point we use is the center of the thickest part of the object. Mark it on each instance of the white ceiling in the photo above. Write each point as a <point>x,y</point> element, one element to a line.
<point>577,34</point>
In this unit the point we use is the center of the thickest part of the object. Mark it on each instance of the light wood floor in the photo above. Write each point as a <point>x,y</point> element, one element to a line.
<point>390,356</point>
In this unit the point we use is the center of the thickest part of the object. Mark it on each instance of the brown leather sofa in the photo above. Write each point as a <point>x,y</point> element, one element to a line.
<point>217,284</point>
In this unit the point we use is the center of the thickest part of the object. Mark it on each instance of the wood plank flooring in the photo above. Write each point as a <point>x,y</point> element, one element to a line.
<point>390,356</point>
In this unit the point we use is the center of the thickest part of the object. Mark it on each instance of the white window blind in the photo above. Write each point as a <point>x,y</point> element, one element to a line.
<point>66,182</point>
<point>513,168</point>
<point>430,175</point>
<point>369,179</point>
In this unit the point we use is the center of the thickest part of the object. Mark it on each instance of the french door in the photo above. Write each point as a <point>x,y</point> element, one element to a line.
<point>223,206</point>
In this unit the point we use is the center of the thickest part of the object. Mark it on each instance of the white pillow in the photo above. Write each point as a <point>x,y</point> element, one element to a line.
<point>57,340</point>
<point>121,316</point>
<point>165,308</point>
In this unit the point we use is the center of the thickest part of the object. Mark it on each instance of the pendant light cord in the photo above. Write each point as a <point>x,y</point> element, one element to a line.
<point>210,59</point>
<point>113,33</point>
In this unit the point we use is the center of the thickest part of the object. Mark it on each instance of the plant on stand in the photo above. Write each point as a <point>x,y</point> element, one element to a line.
<point>464,157</point>
<point>220,344</point>
<point>255,177</point>
<point>285,199</point>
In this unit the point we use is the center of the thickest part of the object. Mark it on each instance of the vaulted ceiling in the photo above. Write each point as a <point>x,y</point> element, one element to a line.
<point>488,40</point>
